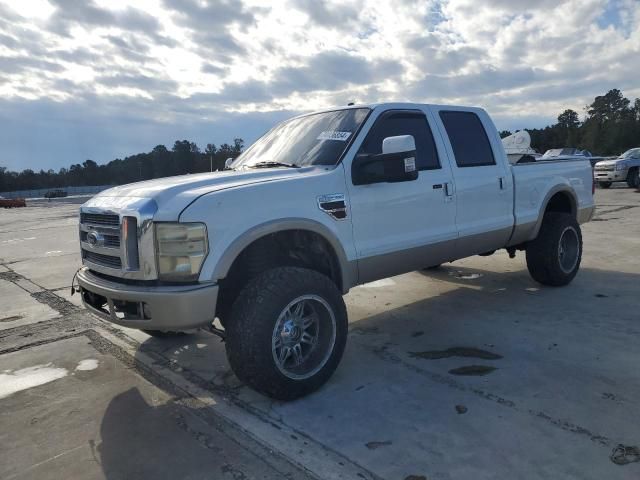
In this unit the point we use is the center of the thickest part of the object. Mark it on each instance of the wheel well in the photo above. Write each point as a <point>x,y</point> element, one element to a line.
<point>287,248</point>
<point>561,202</point>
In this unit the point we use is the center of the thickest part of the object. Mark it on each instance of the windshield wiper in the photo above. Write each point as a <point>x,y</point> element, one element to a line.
<point>274,164</point>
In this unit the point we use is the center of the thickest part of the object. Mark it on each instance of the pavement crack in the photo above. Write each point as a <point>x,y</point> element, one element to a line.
<point>466,352</point>
<point>10,276</point>
<point>47,297</point>
<point>56,302</point>
<point>384,354</point>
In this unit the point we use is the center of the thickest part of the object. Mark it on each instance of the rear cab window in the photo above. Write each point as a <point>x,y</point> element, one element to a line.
<point>468,138</point>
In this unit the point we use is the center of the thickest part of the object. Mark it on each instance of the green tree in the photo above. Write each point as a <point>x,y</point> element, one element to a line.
<point>567,127</point>
<point>568,119</point>
<point>610,106</point>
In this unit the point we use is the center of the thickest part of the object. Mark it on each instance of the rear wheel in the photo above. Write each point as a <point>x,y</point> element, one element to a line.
<point>604,184</point>
<point>633,178</point>
<point>287,332</point>
<point>553,258</point>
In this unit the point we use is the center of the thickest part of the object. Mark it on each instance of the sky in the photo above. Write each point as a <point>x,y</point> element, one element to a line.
<point>103,79</point>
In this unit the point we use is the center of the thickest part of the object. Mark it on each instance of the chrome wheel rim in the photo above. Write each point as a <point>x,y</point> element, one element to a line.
<point>303,337</point>
<point>568,249</point>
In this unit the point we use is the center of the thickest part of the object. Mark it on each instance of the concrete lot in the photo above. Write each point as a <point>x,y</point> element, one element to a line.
<point>554,392</point>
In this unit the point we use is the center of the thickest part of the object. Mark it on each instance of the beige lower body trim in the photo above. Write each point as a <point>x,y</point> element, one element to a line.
<point>403,261</point>
<point>586,214</point>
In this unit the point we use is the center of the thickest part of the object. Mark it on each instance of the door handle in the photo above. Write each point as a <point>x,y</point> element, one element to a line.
<point>448,189</point>
<point>501,181</point>
<point>437,186</point>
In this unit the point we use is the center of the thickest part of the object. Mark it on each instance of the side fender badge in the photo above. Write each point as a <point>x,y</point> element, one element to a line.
<point>333,204</point>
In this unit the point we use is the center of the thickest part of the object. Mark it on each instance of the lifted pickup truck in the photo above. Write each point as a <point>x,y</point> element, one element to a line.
<point>319,204</point>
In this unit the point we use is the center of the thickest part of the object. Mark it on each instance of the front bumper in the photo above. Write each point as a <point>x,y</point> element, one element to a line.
<point>611,176</point>
<point>168,308</point>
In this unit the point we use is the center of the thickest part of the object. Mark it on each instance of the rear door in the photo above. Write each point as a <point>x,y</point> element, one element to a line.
<point>398,227</point>
<point>483,181</point>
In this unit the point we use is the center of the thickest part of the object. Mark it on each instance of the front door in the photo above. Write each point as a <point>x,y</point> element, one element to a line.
<point>399,227</point>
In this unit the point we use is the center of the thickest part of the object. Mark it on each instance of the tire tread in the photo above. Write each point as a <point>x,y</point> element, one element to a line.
<point>248,326</point>
<point>542,260</point>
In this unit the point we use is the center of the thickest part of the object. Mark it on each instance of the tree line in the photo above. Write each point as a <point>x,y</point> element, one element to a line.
<point>611,125</point>
<point>184,157</point>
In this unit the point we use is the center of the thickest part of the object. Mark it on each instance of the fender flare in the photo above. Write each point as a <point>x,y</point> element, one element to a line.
<point>348,270</point>
<point>563,188</point>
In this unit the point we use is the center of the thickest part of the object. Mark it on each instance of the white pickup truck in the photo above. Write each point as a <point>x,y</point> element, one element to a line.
<point>625,168</point>
<point>321,203</point>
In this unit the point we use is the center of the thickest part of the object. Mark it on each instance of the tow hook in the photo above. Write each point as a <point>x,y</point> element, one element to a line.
<point>74,289</point>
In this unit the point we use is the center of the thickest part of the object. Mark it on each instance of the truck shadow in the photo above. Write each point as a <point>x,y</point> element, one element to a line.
<point>137,440</point>
<point>140,440</point>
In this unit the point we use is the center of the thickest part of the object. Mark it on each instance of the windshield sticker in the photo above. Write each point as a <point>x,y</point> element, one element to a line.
<point>334,135</point>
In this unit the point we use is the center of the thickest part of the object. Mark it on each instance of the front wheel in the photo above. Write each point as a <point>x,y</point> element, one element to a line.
<point>287,332</point>
<point>553,258</point>
<point>604,184</point>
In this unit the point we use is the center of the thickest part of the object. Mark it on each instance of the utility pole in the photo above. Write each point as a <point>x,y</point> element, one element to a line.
<point>211,162</point>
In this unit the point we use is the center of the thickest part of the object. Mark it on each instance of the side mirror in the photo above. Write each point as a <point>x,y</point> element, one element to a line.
<point>227,163</point>
<point>399,144</point>
<point>396,163</point>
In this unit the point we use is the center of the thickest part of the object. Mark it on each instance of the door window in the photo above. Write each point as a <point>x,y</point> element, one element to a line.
<point>404,123</point>
<point>468,139</point>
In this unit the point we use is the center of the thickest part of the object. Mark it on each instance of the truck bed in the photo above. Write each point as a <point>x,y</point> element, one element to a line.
<point>537,182</point>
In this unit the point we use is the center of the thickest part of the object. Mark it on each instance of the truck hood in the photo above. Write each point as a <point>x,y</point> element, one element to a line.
<point>173,194</point>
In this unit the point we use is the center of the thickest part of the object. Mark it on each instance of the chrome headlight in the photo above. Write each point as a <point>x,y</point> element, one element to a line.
<point>180,250</point>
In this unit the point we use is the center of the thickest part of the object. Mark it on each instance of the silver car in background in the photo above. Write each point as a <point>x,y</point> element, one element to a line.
<point>625,168</point>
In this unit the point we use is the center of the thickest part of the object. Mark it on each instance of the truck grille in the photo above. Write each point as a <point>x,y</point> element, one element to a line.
<point>605,168</point>
<point>117,239</point>
<point>111,241</point>
<point>106,242</point>
<point>100,219</point>
<point>100,259</point>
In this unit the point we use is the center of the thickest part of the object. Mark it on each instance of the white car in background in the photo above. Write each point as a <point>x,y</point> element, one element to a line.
<point>625,168</point>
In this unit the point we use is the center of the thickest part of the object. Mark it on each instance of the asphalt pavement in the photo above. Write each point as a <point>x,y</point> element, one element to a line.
<point>470,371</point>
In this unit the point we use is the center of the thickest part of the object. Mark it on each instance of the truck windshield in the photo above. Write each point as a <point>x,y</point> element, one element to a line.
<point>316,139</point>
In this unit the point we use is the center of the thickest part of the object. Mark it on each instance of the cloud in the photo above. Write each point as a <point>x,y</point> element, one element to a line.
<point>333,71</point>
<point>85,13</point>
<point>19,64</point>
<point>141,82</point>
<point>327,14</point>
<point>208,23</point>
<point>100,78</point>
